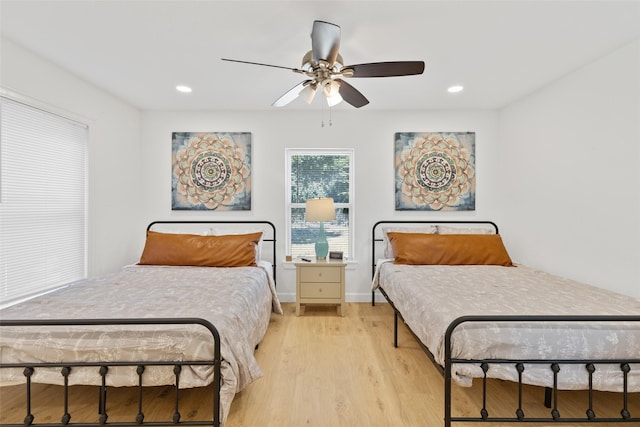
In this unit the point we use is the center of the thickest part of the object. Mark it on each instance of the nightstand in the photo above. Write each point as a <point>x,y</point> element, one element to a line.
<point>320,282</point>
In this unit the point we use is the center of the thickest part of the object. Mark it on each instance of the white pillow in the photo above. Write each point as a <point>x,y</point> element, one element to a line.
<point>388,249</point>
<point>443,229</point>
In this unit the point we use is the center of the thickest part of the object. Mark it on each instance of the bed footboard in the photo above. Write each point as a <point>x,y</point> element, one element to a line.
<point>102,370</point>
<point>554,367</point>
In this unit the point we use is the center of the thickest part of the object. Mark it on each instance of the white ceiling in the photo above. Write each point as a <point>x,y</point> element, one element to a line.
<point>140,50</point>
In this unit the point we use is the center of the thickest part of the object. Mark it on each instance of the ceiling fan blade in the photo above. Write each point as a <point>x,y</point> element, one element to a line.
<point>291,94</point>
<point>325,42</point>
<point>387,69</point>
<point>351,95</point>
<point>297,70</point>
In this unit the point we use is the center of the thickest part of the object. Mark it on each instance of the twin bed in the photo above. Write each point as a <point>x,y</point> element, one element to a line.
<point>182,319</point>
<point>189,314</point>
<point>478,315</point>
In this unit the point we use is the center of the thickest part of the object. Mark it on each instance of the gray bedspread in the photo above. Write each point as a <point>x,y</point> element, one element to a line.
<point>237,301</point>
<point>431,297</point>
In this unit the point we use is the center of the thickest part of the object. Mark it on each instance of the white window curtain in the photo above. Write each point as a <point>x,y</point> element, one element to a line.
<point>42,201</point>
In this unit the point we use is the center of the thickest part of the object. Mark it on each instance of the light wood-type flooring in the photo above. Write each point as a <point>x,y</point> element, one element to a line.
<point>324,370</point>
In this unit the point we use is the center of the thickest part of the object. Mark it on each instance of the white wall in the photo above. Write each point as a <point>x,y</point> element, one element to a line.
<point>569,167</point>
<point>370,134</point>
<point>557,170</point>
<point>114,190</point>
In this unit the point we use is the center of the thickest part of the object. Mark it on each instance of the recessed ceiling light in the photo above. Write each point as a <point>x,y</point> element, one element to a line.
<point>183,89</point>
<point>455,89</point>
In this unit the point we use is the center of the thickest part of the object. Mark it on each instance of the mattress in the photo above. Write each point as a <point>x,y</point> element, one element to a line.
<point>237,301</point>
<point>430,297</point>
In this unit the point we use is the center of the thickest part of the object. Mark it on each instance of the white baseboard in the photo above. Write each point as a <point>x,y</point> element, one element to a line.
<point>351,297</point>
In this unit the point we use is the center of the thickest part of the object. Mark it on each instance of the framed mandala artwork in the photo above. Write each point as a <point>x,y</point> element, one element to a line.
<point>211,171</point>
<point>435,171</point>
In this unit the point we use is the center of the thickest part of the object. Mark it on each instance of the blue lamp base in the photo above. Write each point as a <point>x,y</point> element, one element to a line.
<point>322,246</point>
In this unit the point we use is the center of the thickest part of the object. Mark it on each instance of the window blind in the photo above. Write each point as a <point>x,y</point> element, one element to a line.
<point>42,201</point>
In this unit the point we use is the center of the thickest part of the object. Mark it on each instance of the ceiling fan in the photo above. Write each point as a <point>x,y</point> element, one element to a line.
<point>323,66</point>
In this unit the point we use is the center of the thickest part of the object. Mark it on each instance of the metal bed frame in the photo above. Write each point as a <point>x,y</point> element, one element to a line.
<point>551,393</point>
<point>102,368</point>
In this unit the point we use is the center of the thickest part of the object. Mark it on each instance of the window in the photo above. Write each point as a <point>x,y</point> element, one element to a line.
<point>42,201</point>
<point>319,173</point>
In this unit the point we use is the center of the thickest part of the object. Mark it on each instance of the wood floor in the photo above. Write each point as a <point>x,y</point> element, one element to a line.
<point>323,370</point>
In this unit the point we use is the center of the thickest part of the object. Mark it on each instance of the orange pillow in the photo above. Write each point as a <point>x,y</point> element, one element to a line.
<point>450,249</point>
<point>231,250</point>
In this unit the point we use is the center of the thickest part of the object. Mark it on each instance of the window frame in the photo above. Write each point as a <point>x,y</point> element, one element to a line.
<point>350,153</point>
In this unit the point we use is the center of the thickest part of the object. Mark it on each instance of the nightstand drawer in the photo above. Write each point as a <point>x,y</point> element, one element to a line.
<point>320,282</point>
<point>320,274</point>
<point>320,290</point>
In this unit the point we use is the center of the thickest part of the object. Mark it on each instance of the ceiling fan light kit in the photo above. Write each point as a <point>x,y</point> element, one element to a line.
<point>324,69</point>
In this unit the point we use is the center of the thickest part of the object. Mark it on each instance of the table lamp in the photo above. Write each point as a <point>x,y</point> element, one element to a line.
<point>320,210</point>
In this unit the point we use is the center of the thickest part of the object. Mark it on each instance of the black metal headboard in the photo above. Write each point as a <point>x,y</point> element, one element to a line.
<point>376,236</point>
<point>267,237</point>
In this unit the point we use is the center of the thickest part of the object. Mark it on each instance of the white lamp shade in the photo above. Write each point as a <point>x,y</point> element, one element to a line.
<point>332,92</point>
<point>334,99</point>
<point>318,210</point>
<point>308,93</point>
